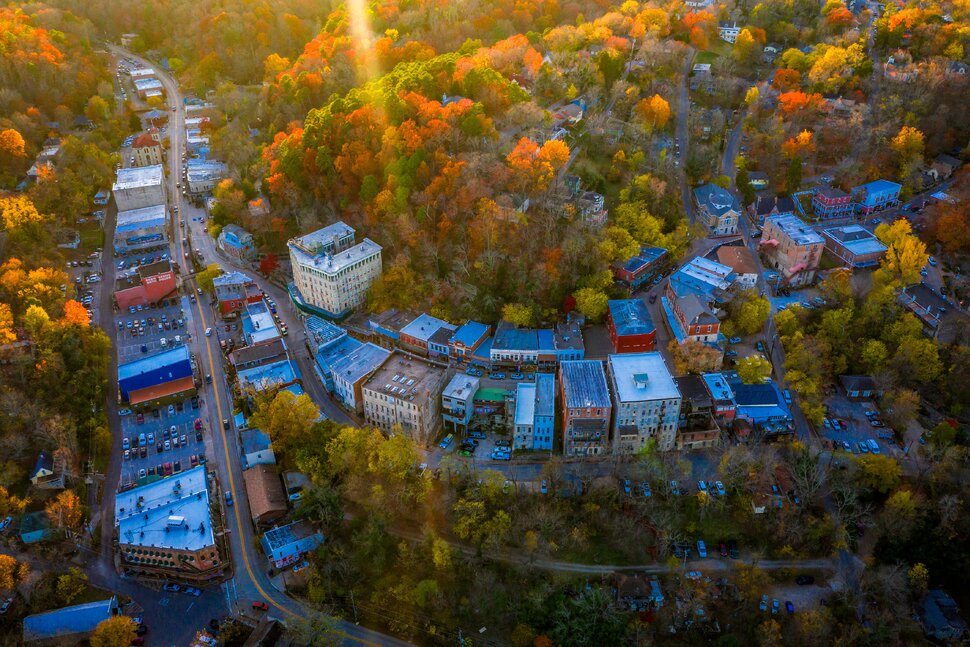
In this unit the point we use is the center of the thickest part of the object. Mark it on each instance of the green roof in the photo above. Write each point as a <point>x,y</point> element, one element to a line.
<point>491,393</point>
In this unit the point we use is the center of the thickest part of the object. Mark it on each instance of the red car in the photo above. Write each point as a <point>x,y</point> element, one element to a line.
<point>140,418</point>
<point>260,605</point>
<point>198,423</point>
<point>168,469</point>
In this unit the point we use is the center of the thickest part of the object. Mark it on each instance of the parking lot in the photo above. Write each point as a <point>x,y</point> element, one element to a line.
<point>84,283</point>
<point>857,427</point>
<point>141,333</point>
<point>162,426</point>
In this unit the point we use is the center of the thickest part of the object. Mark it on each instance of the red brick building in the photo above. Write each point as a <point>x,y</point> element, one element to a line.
<point>631,328</point>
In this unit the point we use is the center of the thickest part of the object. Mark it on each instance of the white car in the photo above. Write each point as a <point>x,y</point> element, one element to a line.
<point>208,332</point>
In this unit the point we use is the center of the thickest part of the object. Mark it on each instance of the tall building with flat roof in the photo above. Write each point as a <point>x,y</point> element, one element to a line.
<point>140,229</point>
<point>165,527</point>
<point>405,392</point>
<point>793,248</point>
<point>331,274</point>
<point>587,407</point>
<point>350,372</point>
<point>647,402</point>
<point>458,401</point>
<point>139,187</point>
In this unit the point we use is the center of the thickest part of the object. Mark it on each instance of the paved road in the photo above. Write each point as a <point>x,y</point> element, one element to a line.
<point>250,581</point>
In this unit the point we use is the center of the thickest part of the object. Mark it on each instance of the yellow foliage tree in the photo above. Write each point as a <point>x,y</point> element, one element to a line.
<point>18,211</point>
<point>117,631</point>
<point>519,314</point>
<point>64,511</point>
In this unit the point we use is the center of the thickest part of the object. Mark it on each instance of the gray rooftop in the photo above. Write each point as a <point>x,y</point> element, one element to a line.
<point>639,377</point>
<point>796,229</point>
<point>461,387</point>
<point>172,512</point>
<point>405,376</point>
<point>856,238</point>
<point>331,264</point>
<point>425,326</point>
<point>138,177</point>
<point>142,214</point>
<point>360,362</point>
<point>584,384</point>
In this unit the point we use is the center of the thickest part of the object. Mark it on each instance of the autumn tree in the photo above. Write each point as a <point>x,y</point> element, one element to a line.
<point>801,145</point>
<point>287,418</point>
<point>653,112</point>
<point>519,314</point>
<point>908,144</point>
<point>116,631</point>
<point>13,155</point>
<point>534,167</point>
<point>878,472</point>
<point>71,584</point>
<point>754,369</point>
<point>11,504</point>
<point>749,314</point>
<point>12,572</point>
<point>7,334</point>
<point>18,212</point>
<point>592,303</point>
<point>64,510</point>
<point>207,276</point>
<point>745,49</point>
<point>906,255</point>
<point>694,357</point>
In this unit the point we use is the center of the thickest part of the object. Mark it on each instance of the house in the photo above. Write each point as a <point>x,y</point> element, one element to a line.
<point>941,319</point>
<point>831,202</point>
<point>647,402</point>
<point>702,79</point>
<point>417,335</point>
<point>267,500</point>
<point>466,339</point>
<point>586,406</point>
<point>404,396</point>
<point>763,407</point>
<point>768,204</point>
<point>638,270</point>
<point>237,242</point>
<point>157,379</point>
<point>793,248</point>
<point>326,357</point>
<point>256,448</point>
<point>350,373</point>
<point>138,187</point>
<point>386,326</point>
<point>34,527</point>
<point>458,402</point>
<point>631,328</point>
<point>876,196</point>
<point>535,414</point>
<point>722,396</point>
<point>728,31</point>
<point>258,207</point>
<point>635,592</point>
<point>147,149</point>
<point>944,166</point>
<point>718,209</point>
<point>854,246</point>
<point>202,175</point>
<point>690,296</point>
<point>860,387</point>
<point>514,346</point>
<point>48,472</point>
<point>759,180</point>
<point>285,545</point>
<point>140,229</point>
<point>246,357</point>
<point>591,207</point>
<point>696,428</point>
<point>742,262</point>
<point>258,324</point>
<point>234,292</point>
<point>68,625</point>
<point>331,274</point>
<point>940,617</point>
<point>164,528</point>
<point>691,319</point>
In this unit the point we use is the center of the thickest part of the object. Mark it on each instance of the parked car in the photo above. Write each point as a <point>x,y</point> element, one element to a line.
<point>191,590</point>
<point>734,340</point>
<point>6,606</point>
<point>544,487</point>
<point>775,606</point>
<point>720,488</point>
<point>626,486</point>
<point>171,587</point>
<point>645,489</point>
<point>446,441</point>
<point>722,549</point>
<point>701,549</point>
<point>674,489</point>
<point>260,605</point>
<point>763,606</point>
<point>702,486</point>
<point>496,376</point>
<point>804,580</point>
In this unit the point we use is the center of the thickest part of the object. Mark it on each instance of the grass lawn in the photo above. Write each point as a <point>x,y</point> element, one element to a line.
<point>706,57</point>
<point>92,235</point>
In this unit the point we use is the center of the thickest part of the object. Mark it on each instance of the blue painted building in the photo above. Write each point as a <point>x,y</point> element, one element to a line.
<point>237,242</point>
<point>535,414</point>
<point>763,406</point>
<point>68,625</point>
<point>876,196</point>
<point>167,367</point>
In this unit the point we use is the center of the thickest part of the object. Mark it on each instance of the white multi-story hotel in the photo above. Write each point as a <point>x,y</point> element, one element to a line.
<point>331,273</point>
<point>647,402</point>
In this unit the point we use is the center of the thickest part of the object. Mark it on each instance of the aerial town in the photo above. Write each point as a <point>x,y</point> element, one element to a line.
<point>484,323</point>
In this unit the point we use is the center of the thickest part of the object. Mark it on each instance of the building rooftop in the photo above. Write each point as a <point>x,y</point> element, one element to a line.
<point>143,85</point>
<point>333,352</point>
<point>265,491</point>
<point>796,229</point>
<point>525,403</point>
<point>258,324</point>
<point>568,335</point>
<point>61,624</point>
<point>646,256</point>
<point>198,170</point>
<point>718,386</point>
<point>878,186</point>
<point>145,140</point>
<point>321,332</point>
<point>716,200</point>
<point>702,276</point>
<point>360,362</point>
<point>693,388</point>
<point>138,177</point>
<point>856,238</point>
<point>268,375</point>
<point>831,192</point>
<point>153,362</point>
<point>469,333</point>
<point>335,263</point>
<point>545,394</point>
<point>425,326</point>
<point>140,218</point>
<point>331,238</point>
<point>461,387</point>
<point>170,513</point>
<point>584,384</point>
<point>739,258</point>
<point>642,376</point>
<point>403,376</point>
<point>630,317</point>
<point>391,320</point>
<point>254,440</point>
<point>231,279</point>
<point>508,336</point>
<point>142,71</point>
<point>282,536</point>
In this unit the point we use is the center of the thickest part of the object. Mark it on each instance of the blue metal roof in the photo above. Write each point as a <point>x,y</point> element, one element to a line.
<point>646,256</point>
<point>335,352</point>
<point>584,384</point>
<point>154,362</point>
<point>630,317</point>
<point>261,377</point>
<point>70,621</point>
<point>360,362</point>
<point>322,332</point>
<point>510,337</point>
<point>546,338</point>
<point>760,402</point>
<point>469,333</point>
<point>879,186</point>
<point>545,395</point>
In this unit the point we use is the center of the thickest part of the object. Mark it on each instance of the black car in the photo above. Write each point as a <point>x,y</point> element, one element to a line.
<point>198,436</point>
<point>733,549</point>
<point>804,580</point>
<point>143,451</point>
<point>195,402</point>
<point>142,629</point>
<point>158,447</point>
